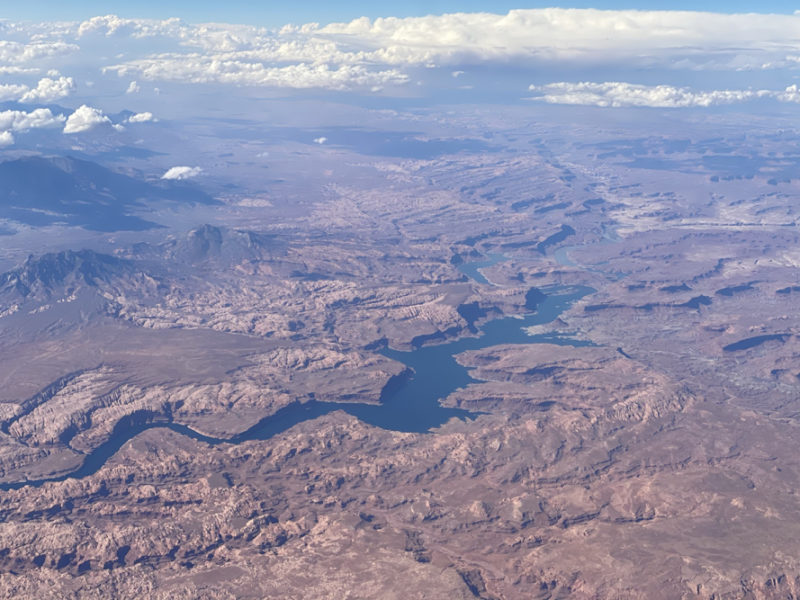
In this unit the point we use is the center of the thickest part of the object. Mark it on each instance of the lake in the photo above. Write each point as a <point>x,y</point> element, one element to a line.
<point>409,403</point>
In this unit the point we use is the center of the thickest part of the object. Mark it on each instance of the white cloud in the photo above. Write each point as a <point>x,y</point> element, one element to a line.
<point>619,94</point>
<point>133,88</point>
<point>142,117</point>
<point>112,25</point>
<point>681,39</point>
<point>49,90</point>
<point>15,53</point>
<point>370,55</point>
<point>12,121</point>
<point>16,70</point>
<point>790,94</point>
<point>18,120</point>
<point>84,119</point>
<point>210,69</point>
<point>180,173</point>
<point>11,91</point>
<point>320,140</point>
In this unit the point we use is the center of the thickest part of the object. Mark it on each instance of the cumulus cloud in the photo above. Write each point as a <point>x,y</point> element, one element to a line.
<point>49,90</point>
<point>372,54</point>
<point>790,94</point>
<point>320,140</point>
<point>180,173</point>
<point>133,88</point>
<point>11,91</point>
<point>112,25</point>
<point>619,94</point>
<point>142,117</point>
<point>5,70</point>
<point>16,53</point>
<point>18,120</point>
<point>85,118</point>
<point>12,121</point>
<point>633,37</point>
<point>211,69</point>
<point>369,54</point>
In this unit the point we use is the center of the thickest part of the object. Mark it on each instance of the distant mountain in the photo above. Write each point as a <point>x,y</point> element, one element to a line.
<point>143,272</point>
<point>41,191</point>
<point>215,245</point>
<point>53,273</point>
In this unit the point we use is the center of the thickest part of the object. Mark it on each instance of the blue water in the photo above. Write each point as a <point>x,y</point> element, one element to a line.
<point>472,269</point>
<point>409,403</point>
<point>561,256</point>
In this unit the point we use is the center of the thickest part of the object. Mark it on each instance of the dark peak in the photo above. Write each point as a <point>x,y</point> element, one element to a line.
<point>219,244</point>
<point>198,245</point>
<point>49,271</point>
<point>206,239</point>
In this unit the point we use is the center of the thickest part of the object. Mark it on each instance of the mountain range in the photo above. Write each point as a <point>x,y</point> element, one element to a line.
<point>40,191</point>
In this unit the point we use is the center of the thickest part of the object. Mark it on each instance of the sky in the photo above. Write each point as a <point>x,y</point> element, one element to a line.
<point>272,13</point>
<point>67,71</point>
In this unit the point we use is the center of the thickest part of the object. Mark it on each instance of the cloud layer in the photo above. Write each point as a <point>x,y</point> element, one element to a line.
<point>617,94</point>
<point>675,39</point>
<point>367,54</point>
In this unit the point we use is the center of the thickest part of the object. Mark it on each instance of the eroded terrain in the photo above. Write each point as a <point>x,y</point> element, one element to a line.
<point>641,446</point>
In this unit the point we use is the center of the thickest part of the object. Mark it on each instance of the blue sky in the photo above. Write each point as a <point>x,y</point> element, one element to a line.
<point>273,13</point>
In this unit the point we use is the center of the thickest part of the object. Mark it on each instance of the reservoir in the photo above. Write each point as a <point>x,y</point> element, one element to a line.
<point>409,403</point>
<point>472,269</point>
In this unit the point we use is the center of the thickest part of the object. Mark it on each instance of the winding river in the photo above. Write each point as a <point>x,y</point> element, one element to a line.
<point>408,403</point>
